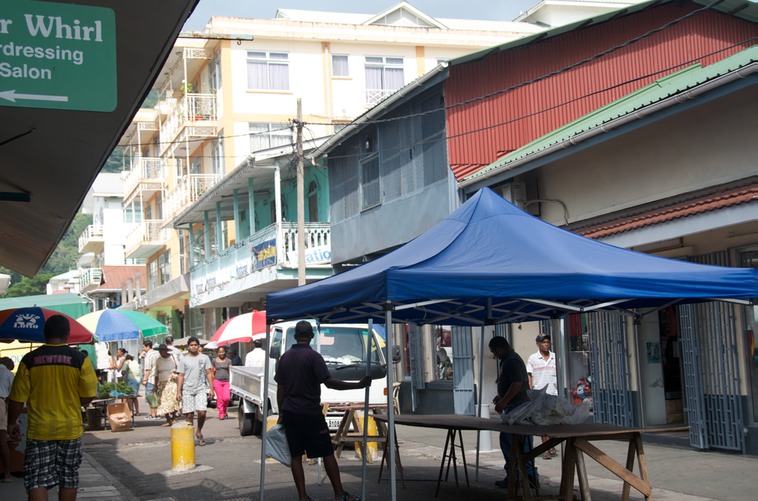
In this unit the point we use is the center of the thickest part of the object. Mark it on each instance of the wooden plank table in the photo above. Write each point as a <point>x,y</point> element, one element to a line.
<point>351,430</point>
<point>578,441</point>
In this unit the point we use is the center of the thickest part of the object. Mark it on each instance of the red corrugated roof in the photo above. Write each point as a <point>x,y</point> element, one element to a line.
<point>506,121</point>
<point>734,196</point>
<point>116,276</point>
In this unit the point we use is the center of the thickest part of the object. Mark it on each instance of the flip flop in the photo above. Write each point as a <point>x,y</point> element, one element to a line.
<point>200,440</point>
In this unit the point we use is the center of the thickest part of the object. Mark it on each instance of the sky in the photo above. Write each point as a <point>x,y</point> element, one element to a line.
<point>496,10</point>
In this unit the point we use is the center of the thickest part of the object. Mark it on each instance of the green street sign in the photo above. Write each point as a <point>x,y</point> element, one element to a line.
<point>57,56</point>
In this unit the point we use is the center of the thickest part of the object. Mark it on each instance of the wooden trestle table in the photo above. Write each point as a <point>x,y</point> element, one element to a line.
<point>579,440</point>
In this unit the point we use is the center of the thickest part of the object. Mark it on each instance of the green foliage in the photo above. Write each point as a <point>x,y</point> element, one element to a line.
<point>61,260</point>
<point>115,162</point>
<point>105,389</point>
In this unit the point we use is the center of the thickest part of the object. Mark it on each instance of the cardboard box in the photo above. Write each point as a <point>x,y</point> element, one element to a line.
<point>119,416</point>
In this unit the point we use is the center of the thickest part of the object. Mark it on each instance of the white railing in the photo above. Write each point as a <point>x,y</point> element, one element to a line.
<point>90,277</point>
<point>93,232</point>
<point>150,231</point>
<point>243,258</point>
<point>144,169</point>
<point>186,111</point>
<point>373,96</point>
<point>188,189</point>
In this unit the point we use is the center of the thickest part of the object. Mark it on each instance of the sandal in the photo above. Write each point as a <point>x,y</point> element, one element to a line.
<point>200,440</point>
<point>347,497</point>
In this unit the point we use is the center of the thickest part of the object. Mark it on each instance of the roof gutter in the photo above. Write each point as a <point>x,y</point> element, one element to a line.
<point>377,110</point>
<point>669,102</point>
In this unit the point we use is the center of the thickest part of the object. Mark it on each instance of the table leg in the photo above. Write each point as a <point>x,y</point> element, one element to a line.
<point>630,454</point>
<point>643,463</point>
<point>463,456</point>
<point>442,464</point>
<point>581,472</point>
<point>567,470</point>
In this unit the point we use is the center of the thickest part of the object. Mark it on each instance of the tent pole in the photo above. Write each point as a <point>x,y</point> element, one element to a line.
<point>264,430</point>
<point>481,392</point>
<point>390,406</point>
<point>369,342</point>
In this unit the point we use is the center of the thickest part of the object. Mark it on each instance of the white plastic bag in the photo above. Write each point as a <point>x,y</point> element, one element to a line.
<point>277,446</point>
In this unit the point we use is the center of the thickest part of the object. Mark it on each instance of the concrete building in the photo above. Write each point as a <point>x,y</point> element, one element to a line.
<point>630,127</point>
<point>211,189</point>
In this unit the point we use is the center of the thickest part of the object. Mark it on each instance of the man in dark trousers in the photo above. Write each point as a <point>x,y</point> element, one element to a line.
<point>512,384</point>
<point>55,381</point>
<point>299,374</point>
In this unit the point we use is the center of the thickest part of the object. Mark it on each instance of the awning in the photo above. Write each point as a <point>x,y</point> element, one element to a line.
<point>72,305</point>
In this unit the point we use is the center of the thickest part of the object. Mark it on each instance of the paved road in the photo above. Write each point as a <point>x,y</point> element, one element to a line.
<point>136,465</point>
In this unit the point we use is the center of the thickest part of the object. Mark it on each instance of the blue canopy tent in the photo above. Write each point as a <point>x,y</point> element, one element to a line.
<point>490,263</point>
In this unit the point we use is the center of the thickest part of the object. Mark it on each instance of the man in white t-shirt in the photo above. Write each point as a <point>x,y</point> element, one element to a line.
<point>257,357</point>
<point>542,372</point>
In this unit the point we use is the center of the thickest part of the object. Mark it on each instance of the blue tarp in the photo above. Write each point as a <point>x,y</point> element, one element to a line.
<point>490,262</point>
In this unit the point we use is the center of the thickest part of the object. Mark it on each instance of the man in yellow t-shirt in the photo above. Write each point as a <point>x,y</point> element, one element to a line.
<point>54,381</point>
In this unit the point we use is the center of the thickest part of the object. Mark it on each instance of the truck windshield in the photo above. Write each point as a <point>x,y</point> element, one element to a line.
<point>342,345</point>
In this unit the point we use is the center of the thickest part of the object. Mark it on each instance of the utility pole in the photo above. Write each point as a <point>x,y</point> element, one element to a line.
<point>300,197</point>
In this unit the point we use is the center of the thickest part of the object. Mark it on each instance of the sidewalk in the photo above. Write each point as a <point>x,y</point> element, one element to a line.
<point>94,483</point>
<point>230,470</point>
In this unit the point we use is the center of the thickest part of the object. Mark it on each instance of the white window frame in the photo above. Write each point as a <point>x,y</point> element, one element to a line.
<point>265,135</point>
<point>382,74</point>
<point>340,66</point>
<point>268,70</point>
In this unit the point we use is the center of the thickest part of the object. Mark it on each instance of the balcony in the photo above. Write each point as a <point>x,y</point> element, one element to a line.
<point>145,239</point>
<point>373,96</point>
<point>191,120</point>
<point>90,279</point>
<point>188,189</point>
<point>259,261</point>
<point>146,178</point>
<point>91,239</point>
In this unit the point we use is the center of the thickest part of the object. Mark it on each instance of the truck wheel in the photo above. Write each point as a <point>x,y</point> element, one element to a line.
<point>245,421</point>
<point>258,420</point>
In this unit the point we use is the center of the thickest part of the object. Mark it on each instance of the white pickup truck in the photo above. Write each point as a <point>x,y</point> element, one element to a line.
<point>343,347</point>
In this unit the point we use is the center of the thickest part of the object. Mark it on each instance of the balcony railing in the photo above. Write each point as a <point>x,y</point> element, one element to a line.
<point>192,116</point>
<point>91,239</point>
<point>373,96</point>
<point>145,239</point>
<point>147,173</point>
<point>90,279</point>
<point>188,189</point>
<point>274,246</point>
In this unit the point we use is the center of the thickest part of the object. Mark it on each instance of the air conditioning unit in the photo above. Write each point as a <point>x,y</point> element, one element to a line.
<point>515,193</point>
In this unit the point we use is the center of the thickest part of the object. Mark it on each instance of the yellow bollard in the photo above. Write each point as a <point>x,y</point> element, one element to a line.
<point>182,446</point>
<point>371,447</point>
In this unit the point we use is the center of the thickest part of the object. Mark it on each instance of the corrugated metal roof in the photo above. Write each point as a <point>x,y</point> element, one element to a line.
<point>662,89</point>
<point>743,9</point>
<point>719,197</point>
<point>518,93</point>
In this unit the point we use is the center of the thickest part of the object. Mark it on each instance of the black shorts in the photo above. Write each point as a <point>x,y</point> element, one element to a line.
<point>307,433</point>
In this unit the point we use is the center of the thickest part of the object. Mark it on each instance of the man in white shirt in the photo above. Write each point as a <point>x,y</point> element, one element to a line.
<point>257,357</point>
<point>150,355</point>
<point>541,369</point>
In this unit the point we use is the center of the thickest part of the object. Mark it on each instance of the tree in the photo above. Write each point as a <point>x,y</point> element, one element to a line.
<point>62,259</point>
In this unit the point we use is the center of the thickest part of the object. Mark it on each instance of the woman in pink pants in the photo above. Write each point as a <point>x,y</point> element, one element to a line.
<point>221,365</point>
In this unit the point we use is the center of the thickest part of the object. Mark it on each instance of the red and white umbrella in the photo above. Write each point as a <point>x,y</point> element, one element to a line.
<point>241,329</point>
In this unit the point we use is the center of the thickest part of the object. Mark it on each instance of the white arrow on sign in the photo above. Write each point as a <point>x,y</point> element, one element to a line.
<point>10,95</point>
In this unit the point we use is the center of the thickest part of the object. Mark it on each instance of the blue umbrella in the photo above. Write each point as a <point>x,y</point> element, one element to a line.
<point>119,325</point>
